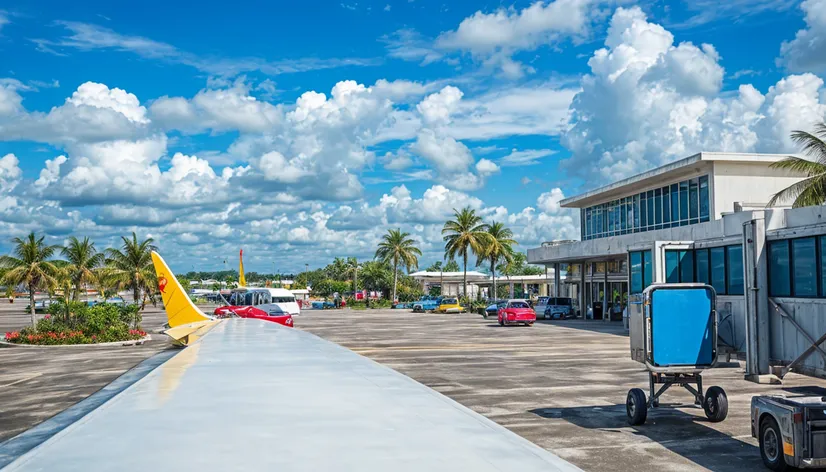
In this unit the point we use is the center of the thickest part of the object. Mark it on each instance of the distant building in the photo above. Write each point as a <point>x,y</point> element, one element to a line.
<point>704,219</point>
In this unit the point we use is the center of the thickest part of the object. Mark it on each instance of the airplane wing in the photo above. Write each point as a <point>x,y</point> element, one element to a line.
<point>251,395</point>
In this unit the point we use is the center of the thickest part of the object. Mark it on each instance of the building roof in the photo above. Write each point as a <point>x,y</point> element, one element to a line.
<point>683,167</point>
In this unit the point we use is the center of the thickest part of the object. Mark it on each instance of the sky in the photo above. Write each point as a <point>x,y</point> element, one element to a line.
<point>302,131</point>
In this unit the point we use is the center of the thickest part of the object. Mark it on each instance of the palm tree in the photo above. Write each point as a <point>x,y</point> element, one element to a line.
<point>466,232</point>
<point>374,276</point>
<point>499,246</point>
<point>30,265</point>
<point>397,247</point>
<point>811,190</point>
<point>84,261</point>
<point>132,265</point>
<point>353,269</point>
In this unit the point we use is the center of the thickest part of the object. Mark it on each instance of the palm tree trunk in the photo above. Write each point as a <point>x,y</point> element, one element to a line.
<point>395,277</point>
<point>493,271</point>
<point>31,304</point>
<point>464,277</point>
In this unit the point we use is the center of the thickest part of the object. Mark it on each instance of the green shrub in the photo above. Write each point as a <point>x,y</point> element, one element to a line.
<point>77,323</point>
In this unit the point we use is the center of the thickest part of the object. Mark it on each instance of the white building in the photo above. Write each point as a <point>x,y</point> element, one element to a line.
<point>704,219</point>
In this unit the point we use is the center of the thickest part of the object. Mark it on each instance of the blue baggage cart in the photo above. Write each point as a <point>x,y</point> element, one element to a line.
<point>673,332</point>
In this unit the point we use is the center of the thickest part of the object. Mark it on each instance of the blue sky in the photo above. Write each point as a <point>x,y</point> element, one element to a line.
<point>206,128</point>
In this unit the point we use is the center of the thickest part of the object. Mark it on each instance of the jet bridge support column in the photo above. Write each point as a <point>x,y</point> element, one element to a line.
<point>557,279</point>
<point>757,302</point>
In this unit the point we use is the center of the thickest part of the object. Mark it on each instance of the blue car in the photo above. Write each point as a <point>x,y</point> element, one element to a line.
<point>426,303</point>
<point>323,305</point>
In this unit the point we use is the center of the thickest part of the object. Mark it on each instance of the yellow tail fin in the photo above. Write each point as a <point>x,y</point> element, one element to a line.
<point>179,308</point>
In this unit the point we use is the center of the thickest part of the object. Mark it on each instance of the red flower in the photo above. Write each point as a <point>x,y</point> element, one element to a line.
<point>47,317</point>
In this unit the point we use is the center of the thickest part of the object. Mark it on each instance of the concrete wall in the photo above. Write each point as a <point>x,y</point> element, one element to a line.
<point>748,182</point>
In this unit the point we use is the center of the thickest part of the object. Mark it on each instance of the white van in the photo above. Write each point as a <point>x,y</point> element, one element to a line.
<point>285,300</point>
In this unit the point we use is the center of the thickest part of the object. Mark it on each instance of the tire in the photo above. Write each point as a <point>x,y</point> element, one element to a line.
<point>771,445</point>
<point>529,325</point>
<point>715,404</point>
<point>636,407</point>
<point>501,323</point>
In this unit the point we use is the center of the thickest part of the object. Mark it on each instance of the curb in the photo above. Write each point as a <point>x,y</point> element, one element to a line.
<point>131,342</point>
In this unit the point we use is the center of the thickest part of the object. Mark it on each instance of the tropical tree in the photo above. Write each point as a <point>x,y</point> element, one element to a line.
<point>499,246</point>
<point>30,266</point>
<point>84,261</point>
<point>131,265</point>
<point>375,275</point>
<point>396,247</point>
<point>465,233</point>
<point>811,190</point>
<point>338,270</point>
<point>451,266</point>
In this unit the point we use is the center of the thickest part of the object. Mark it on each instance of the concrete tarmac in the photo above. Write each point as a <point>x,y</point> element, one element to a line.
<point>561,385</point>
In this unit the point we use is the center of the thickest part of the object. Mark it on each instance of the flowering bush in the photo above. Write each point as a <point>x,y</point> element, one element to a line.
<point>79,324</point>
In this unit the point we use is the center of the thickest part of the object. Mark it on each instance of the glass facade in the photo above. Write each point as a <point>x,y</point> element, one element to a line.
<point>720,267</point>
<point>678,204</point>
<point>797,266</point>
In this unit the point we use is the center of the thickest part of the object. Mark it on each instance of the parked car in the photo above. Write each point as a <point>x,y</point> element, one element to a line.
<point>558,308</point>
<point>403,305</point>
<point>450,305</point>
<point>273,313</point>
<point>323,305</point>
<point>426,303</point>
<point>516,311</point>
<point>541,304</point>
<point>493,308</point>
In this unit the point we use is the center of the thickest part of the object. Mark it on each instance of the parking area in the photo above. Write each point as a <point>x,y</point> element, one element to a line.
<point>559,384</point>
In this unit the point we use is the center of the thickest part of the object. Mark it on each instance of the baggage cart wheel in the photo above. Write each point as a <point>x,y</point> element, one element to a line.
<point>715,404</point>
<point>636,407</point>
<point>771,445</point>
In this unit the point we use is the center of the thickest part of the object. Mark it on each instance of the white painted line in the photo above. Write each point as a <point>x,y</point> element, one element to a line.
<point>36,374</point>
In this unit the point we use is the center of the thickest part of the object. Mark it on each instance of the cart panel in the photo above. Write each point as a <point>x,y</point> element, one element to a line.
<point>682,324</point>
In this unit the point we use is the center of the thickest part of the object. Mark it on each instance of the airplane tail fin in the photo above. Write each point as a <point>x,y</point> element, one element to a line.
<point>179,307</point>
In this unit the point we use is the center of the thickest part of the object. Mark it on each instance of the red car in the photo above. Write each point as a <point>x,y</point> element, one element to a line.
<point>277,316</point>
<point>516,312</point>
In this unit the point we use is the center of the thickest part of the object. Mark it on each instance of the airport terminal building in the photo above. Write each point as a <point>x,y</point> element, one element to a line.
<point>704,219</point>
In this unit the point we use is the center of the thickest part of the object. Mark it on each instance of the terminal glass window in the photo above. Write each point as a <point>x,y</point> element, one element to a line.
<point>693,201</point>
<point>641,270</point>
<point>647,269</point>
<point>779,268</point>
<point>804,267</point>
<point>702,267</point>
<point>678,204</point>
<point>679,266</point>
<point>734,270</point>
<point>797,266</point>
<point>717,255</point>
<point>704,216</point>
<point>720,267</point>
<point>822,263</point>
